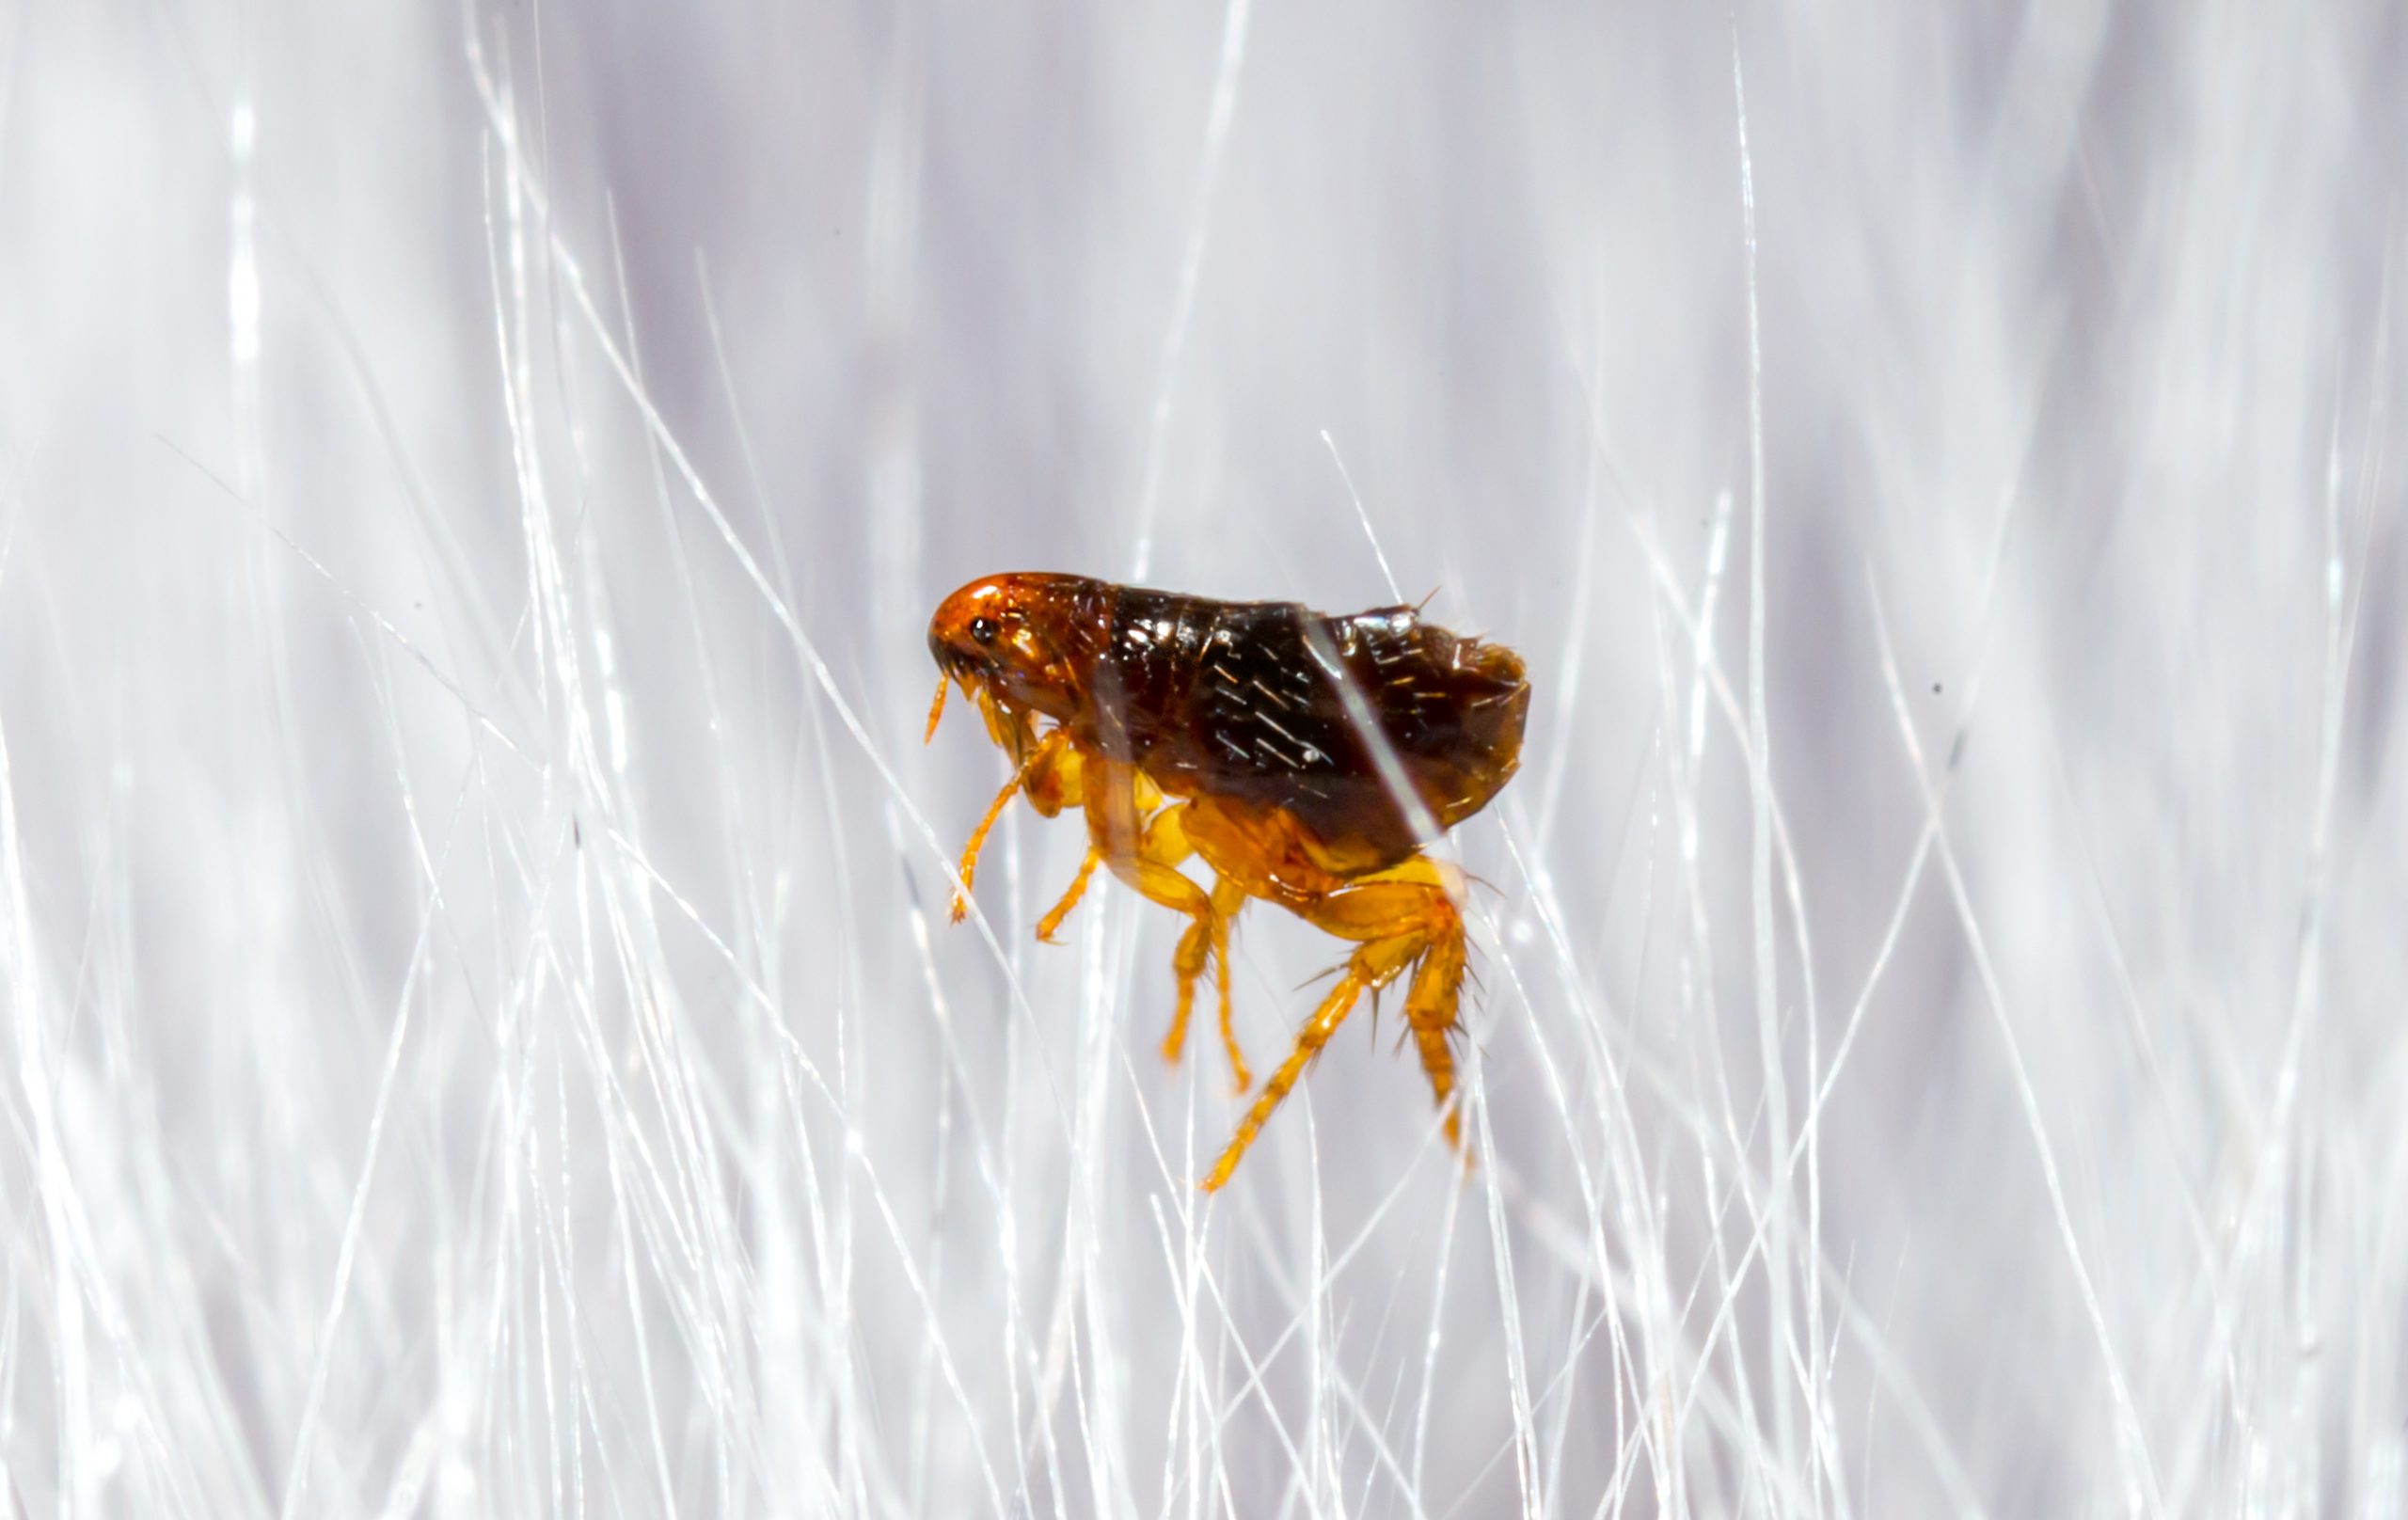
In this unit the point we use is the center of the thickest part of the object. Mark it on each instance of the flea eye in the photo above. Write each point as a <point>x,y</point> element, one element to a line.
<point>983,629</point>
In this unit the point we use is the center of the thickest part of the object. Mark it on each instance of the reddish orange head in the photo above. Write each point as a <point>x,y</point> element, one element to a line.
<point>1016,639</point>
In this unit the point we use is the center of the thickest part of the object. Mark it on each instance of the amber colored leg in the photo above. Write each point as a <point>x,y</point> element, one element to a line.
<point>1372,966</point>
<point>979,841</point>
<point>1040,766</point>
<point>1209,940</point>
<point>1186,965</point>
<point>1228,897</point>
<point>1155,873</point>
<point>1401,917</point>
<point>1148,858</point>
<point>1054,779</point>
<point>1060,911</point>
<point>1430,1008</point>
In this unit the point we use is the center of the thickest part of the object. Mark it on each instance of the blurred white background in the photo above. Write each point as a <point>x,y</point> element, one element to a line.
<point>481,1036</point>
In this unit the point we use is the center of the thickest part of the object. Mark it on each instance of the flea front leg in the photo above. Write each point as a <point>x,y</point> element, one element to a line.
<point>1057,782</point>
<point>1050,770</point>
<point>1054,777</point>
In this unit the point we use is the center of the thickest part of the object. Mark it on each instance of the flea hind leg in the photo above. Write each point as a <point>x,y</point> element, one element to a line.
<point>1401,918</point>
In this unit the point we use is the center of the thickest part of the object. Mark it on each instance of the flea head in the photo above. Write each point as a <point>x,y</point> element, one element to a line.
<point>1012,639</point>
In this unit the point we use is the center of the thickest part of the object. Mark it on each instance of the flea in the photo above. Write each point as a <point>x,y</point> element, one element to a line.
<point>1299,757</point>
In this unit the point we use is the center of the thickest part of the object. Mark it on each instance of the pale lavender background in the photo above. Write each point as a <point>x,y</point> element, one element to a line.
<point>2080,361</point>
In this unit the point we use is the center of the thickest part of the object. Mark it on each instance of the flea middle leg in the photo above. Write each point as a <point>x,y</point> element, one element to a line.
<point>1051,776</point>
<point>1147,857</point>
<point>1202,940</point>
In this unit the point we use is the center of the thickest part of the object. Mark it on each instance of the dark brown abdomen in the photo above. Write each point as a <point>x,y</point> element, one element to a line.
<point>1248,701</point>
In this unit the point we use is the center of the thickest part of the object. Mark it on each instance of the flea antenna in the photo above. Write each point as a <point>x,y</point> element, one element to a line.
<point>936,709</point>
